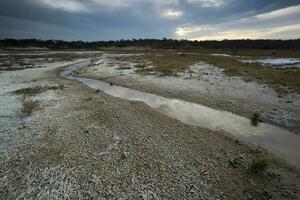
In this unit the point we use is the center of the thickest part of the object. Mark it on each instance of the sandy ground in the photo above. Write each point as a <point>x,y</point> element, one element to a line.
<point>84,144</point>
<point>204,84</point>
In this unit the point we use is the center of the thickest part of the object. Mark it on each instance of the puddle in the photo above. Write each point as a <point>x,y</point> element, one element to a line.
<point>276,62</point>
<point>278,141</point>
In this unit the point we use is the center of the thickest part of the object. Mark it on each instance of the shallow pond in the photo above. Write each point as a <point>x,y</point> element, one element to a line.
<point>278,141</point>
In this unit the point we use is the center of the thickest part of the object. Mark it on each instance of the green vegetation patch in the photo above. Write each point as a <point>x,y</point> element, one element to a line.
<point>37,89</point>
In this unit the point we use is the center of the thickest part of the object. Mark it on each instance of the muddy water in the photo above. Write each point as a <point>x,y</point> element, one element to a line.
<point>276,140</point>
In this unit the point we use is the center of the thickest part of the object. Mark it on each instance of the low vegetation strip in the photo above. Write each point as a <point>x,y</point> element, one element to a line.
<point>279,79</point>
<point>37,89</point>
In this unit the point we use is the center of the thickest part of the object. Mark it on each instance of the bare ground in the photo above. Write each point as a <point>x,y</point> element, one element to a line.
<point>88,145</point>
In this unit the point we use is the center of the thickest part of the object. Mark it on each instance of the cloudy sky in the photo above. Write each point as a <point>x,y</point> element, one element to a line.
<point>126,19</point>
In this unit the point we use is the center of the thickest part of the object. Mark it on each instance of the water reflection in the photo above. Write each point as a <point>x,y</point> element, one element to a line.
<point>276,140</point>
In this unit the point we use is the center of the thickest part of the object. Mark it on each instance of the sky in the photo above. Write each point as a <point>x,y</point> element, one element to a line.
<point>91,20</point>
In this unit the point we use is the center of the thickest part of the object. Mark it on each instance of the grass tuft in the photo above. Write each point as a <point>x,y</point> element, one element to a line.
<point>255,119</point>
<point>30,91</point>
<point>29,106</point>
<point>37,89</point>
<point>259,163</point>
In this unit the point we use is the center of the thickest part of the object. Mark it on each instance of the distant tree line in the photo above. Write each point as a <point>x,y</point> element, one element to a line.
<point>154,43</point>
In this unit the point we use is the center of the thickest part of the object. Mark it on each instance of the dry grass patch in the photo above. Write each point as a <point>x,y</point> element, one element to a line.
<point>29,106</point>
<point>31,90</point>
<point>259,163</point>
<point>280,79</point>
<point>171,64</point>
<point>37,89</point>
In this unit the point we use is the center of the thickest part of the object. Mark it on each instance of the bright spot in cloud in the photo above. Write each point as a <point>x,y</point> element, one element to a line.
<point>209,3</point>
<point>111,3</point>
<point>172,14</point>
<point>66,5</point>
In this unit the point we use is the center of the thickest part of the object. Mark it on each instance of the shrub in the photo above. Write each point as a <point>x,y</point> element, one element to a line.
<point>255,118</point>
<point>29,106</point>
<point>259,163</point>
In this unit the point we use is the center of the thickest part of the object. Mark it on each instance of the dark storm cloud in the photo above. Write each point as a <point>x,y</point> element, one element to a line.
<point>117,19</point>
